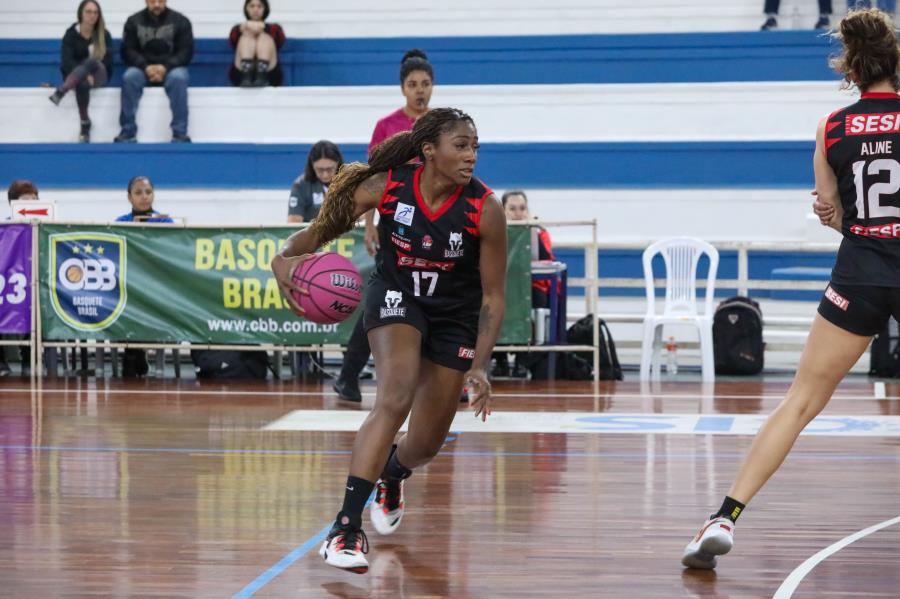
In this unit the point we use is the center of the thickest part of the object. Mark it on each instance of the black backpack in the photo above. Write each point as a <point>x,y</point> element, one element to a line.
<point>738,337</point>
<point>579,366</point>
<point>228,364</point>
<point>885,352</point>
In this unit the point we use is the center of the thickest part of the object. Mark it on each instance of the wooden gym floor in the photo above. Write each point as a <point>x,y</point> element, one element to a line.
<point>154,489</point>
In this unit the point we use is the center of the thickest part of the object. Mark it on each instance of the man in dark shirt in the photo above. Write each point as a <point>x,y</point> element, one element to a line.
<point>157,46</point>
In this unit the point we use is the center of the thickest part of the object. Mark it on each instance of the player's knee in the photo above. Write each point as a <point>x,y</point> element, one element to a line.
<point>394,406</point>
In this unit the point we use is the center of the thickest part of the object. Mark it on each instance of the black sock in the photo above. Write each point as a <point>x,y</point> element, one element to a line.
<point>246,65</point>
<point>394,469</point>
<point>731,509</point>
<point>262,66</point>
<point>356,495</point>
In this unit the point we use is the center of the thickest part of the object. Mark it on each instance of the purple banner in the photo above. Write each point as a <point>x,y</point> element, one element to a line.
<point>15,278</point>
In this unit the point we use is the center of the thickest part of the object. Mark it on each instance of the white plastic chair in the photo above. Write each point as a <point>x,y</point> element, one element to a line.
<point>681,256</point>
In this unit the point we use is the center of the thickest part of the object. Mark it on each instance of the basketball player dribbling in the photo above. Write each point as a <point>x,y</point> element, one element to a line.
<point>857,172</point>
<point>433,308</point>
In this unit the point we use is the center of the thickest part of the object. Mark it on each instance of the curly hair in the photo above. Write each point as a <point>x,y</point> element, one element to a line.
<point>870,49</point>
<point>338,213</point>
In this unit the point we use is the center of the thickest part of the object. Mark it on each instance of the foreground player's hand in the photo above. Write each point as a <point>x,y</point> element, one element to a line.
<point>479,393</point>
<point>283,269</point>
<point>824,211</point>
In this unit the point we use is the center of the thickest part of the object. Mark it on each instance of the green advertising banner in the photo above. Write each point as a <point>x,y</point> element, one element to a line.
<point>165,284</point>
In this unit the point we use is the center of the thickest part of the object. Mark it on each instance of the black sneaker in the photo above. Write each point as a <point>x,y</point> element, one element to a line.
<point>345,547</point>
<point>348,390</point>
<point>125,138</point>
<point>769,25</point>
<point>822,23</point>
<point>57,97</point>
<point>4,369</point>
<point>85,135</point>
<point>180,138</point>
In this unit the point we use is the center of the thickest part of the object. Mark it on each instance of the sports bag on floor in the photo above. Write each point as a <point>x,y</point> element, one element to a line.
<point>738,337</point>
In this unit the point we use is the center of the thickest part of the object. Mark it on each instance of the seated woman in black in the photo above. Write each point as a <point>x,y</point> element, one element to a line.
<point>86,61</point>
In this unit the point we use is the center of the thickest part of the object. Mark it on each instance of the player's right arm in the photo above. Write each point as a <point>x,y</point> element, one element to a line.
<point>332,217</point>
<point>828,200</point>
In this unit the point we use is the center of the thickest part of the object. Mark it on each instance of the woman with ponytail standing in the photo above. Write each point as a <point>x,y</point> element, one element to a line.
<point>86,61</point>
<point>416,83</point>
<point>857,172</point>
<point>433,307</point>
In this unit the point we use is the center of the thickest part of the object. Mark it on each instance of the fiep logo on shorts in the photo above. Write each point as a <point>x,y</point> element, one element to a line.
<point>87,279</point>
<point>392,307</point>
<point>466,353</point>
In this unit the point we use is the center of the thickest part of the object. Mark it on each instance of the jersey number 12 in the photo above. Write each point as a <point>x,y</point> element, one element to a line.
<point>868,203</point>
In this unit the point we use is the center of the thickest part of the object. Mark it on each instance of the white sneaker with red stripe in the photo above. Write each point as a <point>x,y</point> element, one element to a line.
<point>345,547</point>
<point>387,509</point>
<point>715,538</point>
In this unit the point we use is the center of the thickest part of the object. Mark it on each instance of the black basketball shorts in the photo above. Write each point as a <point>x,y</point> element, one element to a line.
<point>446,340</point>
<point>860,309</point>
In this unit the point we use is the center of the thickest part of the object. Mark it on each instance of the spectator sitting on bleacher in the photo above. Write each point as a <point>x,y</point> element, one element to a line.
<point>86,61</point>
<point>771,9</point>
<point>20,189</point>
<point>140,195</point>
<point>157,46</point>
<point>256,45</point>
<point>308,191</point>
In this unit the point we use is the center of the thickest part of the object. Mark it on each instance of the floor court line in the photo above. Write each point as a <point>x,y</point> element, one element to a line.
<point>639,456</point>
<point>790,584</point>
<point>226,392</point>
<point>285,562</point>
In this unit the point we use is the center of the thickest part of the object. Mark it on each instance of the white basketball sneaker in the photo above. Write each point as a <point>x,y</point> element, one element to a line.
<point>714,539</point>
<point>387,509</point>
<point>345,547</point>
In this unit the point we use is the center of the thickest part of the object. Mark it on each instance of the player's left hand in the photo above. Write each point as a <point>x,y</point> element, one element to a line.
<point>824,211</point>
<point>479,392</point>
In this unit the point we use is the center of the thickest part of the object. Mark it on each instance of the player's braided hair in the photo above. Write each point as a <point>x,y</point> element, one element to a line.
<point>870,50</point>
<point>338,213</point>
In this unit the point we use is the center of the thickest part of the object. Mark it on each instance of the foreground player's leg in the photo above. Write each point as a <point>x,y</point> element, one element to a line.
<point>434,407</point>
<point>397,358</point>
<point>829,354</point>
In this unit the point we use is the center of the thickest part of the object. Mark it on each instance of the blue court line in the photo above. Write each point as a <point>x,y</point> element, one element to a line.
<point>640,456</point>
<point>282,565</point>
<point>285,562</point>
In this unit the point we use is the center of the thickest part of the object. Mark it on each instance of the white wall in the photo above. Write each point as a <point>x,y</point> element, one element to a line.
<point>400,18</point>
<point>504,113</point>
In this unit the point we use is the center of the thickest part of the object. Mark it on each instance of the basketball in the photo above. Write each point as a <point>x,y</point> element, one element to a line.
<point>334,284</point>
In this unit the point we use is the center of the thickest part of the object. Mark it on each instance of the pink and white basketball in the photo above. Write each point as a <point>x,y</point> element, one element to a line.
<point>335,288</point>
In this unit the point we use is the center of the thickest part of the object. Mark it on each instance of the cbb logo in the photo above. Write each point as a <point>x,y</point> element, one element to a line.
<point>91,275</point>
<point>87,273</point>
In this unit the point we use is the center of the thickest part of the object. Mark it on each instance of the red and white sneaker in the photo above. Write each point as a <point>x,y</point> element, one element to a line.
<point>387,509</point>
<point>714,539</point>
<point>345,547</point>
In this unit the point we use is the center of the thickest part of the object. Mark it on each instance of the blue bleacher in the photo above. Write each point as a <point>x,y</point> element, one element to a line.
<point>642,58</point>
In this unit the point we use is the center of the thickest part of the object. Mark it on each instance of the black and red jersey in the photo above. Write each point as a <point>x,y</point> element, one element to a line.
<point>862,145</point>
<point>431,256</point>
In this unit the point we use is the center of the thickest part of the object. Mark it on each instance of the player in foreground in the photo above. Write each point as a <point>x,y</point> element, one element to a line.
<point>857,179</point>
<point>433,308</point>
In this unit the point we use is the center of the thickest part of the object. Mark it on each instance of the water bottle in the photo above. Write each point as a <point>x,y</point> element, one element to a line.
<point>671,356</point>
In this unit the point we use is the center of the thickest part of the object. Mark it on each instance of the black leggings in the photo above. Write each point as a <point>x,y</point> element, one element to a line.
<point>78,80</point>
